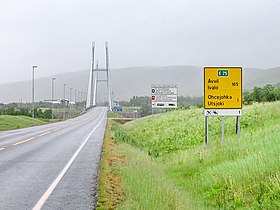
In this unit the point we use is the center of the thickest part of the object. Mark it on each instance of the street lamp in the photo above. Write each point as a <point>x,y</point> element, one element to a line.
<point>53,79</point>
<point>33,94</point>
<point>64,102</point>
<point>70,101</point>
<point>85,95</point>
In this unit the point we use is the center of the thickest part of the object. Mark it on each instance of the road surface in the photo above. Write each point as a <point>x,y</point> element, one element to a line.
<point>53,166</point>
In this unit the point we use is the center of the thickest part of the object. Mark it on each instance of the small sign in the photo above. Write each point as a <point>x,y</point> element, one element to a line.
<point>223,73</point>
<point>118,109</point>
<point>164,96</point>
<point>222,87</point>
<point>223,112</point>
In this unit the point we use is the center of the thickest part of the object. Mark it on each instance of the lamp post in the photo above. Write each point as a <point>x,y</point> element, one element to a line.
<point>70,101</point>
<point>85,95</point>
<point>53,79</point>
<point>64,102</point>
<point>33,94</point>
<point>75,100</point>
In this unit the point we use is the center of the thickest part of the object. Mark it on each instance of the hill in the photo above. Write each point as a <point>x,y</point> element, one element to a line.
<point>128,82</point>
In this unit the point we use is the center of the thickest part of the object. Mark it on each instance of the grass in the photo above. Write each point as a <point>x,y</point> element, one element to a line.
<point>236,175</point>
<point>110,193</point>
<point>121,185</point>
<point>180,130</point>
<point>113,115</point>
<point>8,122</point>
<point>169,167</point>
<point>145,183</point>
<point>131,108</point>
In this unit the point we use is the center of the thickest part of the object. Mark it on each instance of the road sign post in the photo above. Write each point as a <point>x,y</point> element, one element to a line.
<point>206,131</point>
<point>238,127</point>
<point>222,94</point>
<point>223,129</point>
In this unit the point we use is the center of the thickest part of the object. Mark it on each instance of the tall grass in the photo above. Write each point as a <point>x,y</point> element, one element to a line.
<point>179,130</point>
<point>241,173</point>
<point>146,184</point>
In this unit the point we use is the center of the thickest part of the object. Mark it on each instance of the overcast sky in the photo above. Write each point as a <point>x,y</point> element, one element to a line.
<point>56,34</point>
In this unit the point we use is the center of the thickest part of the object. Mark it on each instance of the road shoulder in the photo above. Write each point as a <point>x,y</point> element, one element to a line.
<point>110,193</point>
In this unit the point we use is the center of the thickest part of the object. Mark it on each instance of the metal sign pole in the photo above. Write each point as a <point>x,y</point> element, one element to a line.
<point>238,126</point>
<point>206,131</point>
<point>223,130</point>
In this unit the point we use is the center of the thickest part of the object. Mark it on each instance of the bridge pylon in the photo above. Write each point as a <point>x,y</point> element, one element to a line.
<point>94,80</point>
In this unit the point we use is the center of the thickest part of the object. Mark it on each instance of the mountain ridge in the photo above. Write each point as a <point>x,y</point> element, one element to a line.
<point>130,81</point>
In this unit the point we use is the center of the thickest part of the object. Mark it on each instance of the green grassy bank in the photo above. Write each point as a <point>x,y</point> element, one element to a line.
<point>167,165</point>
<point>8,122</point>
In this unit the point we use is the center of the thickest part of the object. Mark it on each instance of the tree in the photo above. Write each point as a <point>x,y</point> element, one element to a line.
<point>258,94</point>
<point>48,114</point>
<point>270,93</point>
<point>247,98</point>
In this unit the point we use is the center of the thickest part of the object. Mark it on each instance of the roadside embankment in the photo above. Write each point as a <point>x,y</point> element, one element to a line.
<point>166,165</point>
<point>8,122</point>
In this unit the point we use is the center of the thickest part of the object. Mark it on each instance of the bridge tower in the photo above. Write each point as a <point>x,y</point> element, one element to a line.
<point>94,80</point>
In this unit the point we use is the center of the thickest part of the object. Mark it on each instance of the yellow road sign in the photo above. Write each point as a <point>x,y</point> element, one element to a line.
<point>222,87</point>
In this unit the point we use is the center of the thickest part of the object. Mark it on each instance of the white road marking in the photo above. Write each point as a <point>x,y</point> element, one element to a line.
<point>2,149</point>
<point>51,188</point>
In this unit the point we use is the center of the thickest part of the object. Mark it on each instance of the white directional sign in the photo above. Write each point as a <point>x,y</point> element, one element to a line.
<point>164,96</point>
<point>223,112</point>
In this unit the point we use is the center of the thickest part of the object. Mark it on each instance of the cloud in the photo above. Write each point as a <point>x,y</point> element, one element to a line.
<point>56,35</point>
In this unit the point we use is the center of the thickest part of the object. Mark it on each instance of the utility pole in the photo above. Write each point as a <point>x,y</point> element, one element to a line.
<point>33,93</point>
<point>53,79</point>
<point>64,101</point>
<point>108,79</point>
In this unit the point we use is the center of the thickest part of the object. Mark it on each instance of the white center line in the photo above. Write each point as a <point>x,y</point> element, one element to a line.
<point>2,149</point>
<point>51,188</point>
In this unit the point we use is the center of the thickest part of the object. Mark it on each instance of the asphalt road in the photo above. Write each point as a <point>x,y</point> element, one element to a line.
<point>52,166</point>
